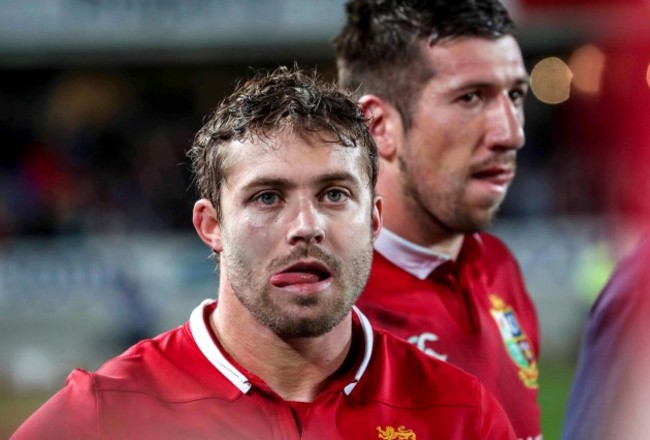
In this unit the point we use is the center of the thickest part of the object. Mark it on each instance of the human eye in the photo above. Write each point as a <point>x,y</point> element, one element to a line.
<point>267,198</point>
<point>517,95</point>
<point>470,98</point>
<point>335,195</point>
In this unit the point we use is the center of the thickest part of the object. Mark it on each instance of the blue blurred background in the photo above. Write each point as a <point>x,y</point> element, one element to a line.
<point>100,99</point>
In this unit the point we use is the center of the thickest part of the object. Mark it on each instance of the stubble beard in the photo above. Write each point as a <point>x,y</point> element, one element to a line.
<point>444,208</point>
<point>256,296</point>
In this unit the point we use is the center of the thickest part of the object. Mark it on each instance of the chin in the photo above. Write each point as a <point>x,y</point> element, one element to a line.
<point>304,328</point>
<point>484,221</point>
<point>476,220</point>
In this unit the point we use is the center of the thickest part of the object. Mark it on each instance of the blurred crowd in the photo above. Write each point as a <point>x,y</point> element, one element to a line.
<point>93,152</point>
<point>104,151</point>
<point>97,151</point>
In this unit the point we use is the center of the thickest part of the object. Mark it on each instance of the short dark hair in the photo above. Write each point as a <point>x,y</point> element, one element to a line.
<point>270,102</point>
<point>379,48</point>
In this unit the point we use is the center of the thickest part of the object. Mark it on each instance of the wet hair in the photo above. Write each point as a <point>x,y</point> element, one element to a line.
<point>379,49</point>
<point>272,102</point>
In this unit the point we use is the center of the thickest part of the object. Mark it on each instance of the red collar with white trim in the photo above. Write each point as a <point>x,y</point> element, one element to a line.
<point>244,381</point>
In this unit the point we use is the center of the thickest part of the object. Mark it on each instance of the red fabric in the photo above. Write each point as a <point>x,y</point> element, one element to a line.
<point>166,389</point>
<point>609,132</point>
<point>582,3</point>
<point>449,315</point>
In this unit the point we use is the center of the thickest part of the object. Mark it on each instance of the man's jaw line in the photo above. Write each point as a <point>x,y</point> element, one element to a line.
<point>432,232</point>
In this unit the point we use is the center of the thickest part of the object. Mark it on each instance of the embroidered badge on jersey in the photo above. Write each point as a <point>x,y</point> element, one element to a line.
<point>390,433</point>
<point>516,341</point>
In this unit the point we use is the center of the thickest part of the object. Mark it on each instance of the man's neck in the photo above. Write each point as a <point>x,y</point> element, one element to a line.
<point>404,218</point>
<point>424,234</point>
<point>296,369</point>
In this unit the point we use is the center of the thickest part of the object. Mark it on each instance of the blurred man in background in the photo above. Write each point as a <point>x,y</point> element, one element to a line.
<point>610,397</point>
<point>611,391</point>
<point>444,84</point>
<point>286,167</point>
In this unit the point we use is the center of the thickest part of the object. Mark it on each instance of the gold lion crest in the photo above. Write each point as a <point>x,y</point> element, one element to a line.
<point>515,341</point>
<point>390,433</point>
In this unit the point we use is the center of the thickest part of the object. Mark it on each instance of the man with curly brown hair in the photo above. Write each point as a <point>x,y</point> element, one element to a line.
<point>286,169</point>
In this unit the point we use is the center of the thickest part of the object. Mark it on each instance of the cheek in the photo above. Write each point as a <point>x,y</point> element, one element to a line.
<point>251,230</point>
<point>254,221</point>
<point>452,154</point>
<point>352,232</point>
<point>429,149</point>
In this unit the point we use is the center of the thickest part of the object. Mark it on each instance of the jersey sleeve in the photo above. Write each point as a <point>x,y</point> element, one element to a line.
<point>494,423</point>
<point>70,414</point>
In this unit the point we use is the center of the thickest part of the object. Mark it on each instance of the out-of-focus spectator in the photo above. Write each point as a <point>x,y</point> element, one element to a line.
<point>611,392</point>
<point>92,160</point>
<point>610,395</point>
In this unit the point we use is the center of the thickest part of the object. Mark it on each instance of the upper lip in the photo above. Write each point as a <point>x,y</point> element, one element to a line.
<point>307,266</point>
<point>494,171</point>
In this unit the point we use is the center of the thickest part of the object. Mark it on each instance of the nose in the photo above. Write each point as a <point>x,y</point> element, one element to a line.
<point>306,225</point>
<point>505,125</point>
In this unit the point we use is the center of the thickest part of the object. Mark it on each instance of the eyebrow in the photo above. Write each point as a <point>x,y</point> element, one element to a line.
<point>521,81</point>
<point>343,176</point>
<point>281,182</point>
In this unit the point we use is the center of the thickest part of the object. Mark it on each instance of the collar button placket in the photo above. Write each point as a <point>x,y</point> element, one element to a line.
<point>284,423</point>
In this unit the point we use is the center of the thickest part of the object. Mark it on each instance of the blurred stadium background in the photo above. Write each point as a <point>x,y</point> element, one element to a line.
<point>99,99</point>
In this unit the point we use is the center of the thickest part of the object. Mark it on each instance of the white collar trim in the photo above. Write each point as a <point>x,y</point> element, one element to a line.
<point>368,339</point>
<point>202,336</point>
<point>212,352</point>
<point>413,258</point>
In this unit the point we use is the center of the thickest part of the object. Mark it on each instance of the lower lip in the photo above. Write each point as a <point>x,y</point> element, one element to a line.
<point>307,288</point>
<point>498,182</point>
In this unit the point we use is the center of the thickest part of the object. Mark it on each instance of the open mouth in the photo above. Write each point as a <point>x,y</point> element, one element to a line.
<point>498,176</point>
<point>301,273</point>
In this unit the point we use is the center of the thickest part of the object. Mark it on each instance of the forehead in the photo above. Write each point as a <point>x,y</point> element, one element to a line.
<point>462,61</point>
<point>301,157</point>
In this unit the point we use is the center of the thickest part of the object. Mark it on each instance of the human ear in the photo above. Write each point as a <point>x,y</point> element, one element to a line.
<point>385,125</point>
<point>377,216</point>
<point>204,218</point>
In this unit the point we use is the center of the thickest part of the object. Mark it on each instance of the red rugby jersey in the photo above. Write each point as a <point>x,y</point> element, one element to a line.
<point>181,385</point>
<point>474,313</point>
